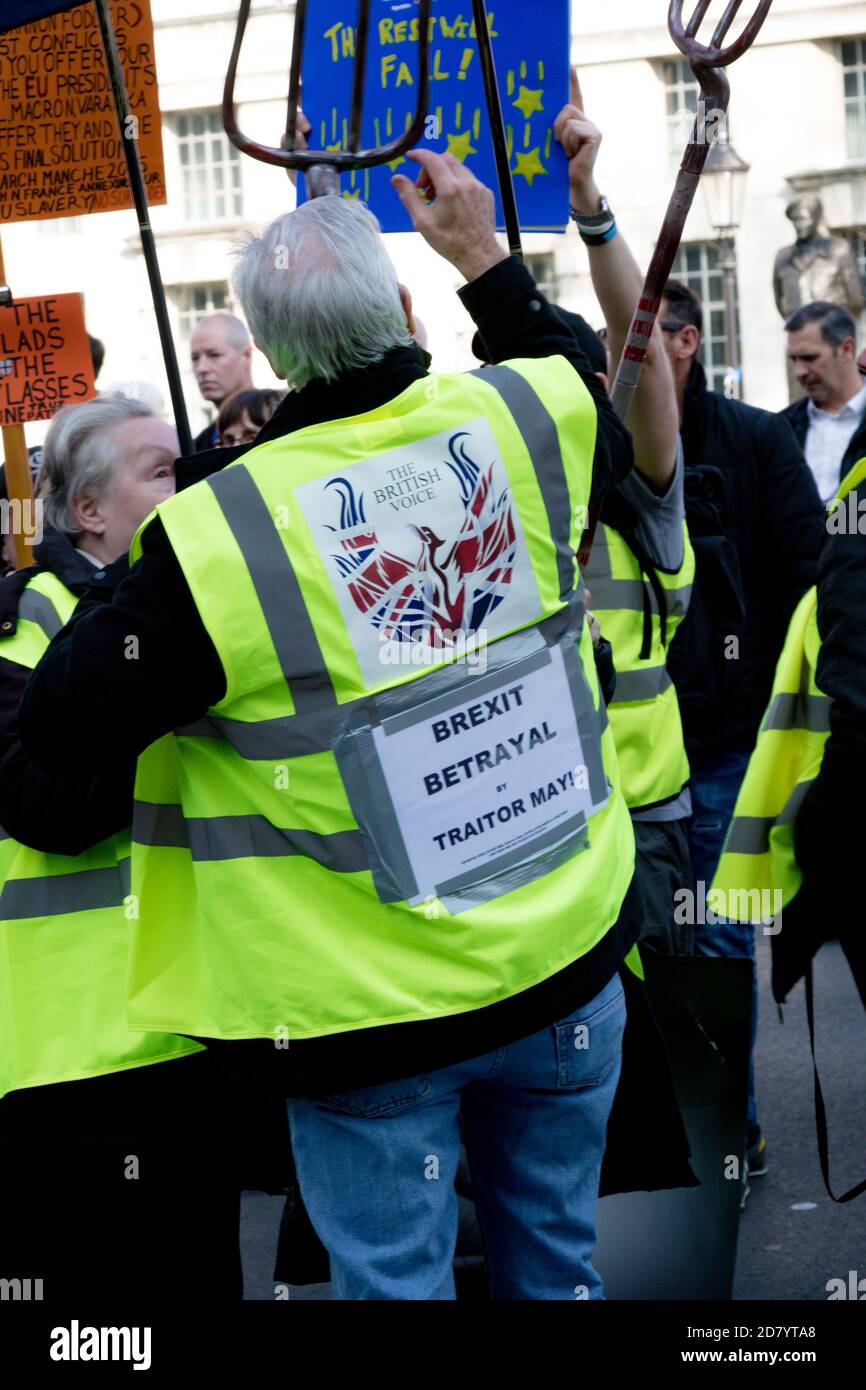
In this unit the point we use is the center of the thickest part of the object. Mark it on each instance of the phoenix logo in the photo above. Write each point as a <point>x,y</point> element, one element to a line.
<point>434,586</point>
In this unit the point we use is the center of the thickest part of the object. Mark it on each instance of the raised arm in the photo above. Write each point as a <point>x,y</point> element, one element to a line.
<point>618,283</point>
<point>512,316</point>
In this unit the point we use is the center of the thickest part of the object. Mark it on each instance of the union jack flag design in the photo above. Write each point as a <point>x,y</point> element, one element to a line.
<point>442,585</point>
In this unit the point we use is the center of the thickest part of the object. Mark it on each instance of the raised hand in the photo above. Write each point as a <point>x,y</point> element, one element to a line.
<point>581,141</point>
<point>453,211</point>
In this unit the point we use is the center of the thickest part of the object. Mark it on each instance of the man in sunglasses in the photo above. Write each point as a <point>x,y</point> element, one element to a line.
<point>756,520</point>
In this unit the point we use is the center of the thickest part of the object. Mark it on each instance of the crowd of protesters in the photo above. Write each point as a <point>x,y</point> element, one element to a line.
<point>711,529</point>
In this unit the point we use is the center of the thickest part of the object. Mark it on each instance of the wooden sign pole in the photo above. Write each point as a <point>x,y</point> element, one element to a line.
<point>19,483</point>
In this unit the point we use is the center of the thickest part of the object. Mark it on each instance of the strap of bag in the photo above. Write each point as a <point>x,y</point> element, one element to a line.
<point>820,1109</point>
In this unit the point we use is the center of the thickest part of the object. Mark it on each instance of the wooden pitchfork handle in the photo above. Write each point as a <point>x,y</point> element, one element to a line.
<point>707,62</point>
<point>328,164</point>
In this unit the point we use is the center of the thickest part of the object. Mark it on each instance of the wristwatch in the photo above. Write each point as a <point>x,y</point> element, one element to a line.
<point>594,222</point>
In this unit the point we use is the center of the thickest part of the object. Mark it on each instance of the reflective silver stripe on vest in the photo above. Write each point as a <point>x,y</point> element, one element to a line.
<point>297,735</point>
<point>678,600</point>
<point>751,834</point>
<point>647,684</point>
<point>624,594</point>
<point>55,895</point>
<point>265,740</point>
<point>36,608</point>
<point>244,837</point>
<point>161,825</point>
<point>277,588</point>
<point>541,438</point>
<point>629,595</point>
<point>810,712</point>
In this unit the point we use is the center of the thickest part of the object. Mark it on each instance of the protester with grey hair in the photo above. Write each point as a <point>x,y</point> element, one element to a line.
<point>385,522</point>
<point>100,1181</point>
<point>830,420</point>
<point>221,357</point>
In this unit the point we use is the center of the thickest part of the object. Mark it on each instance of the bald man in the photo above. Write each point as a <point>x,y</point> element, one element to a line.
<point>221,353</point>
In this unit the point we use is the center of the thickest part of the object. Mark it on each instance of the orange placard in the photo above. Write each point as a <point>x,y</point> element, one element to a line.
<point>45,358</point>
<point>60,145</point>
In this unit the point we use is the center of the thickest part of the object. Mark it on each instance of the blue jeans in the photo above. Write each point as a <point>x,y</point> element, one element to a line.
<point>377,1166</point>
<point>715,787</point>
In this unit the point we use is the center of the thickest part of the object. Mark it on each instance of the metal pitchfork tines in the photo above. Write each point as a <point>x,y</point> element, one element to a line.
<point>708,63</point>
<point>323,167</point>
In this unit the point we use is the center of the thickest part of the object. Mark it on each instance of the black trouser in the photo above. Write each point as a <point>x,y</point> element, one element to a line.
<point>122,1187</point>
<point>663,868</point>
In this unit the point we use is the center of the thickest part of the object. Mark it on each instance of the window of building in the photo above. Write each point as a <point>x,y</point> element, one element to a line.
<point>210,167</point>
<point>852,55</point>
<point>542,267</point>
<point>682,98</point>
<point>194,302</point>
<point>61,226</point>
<point>682,92</point>
<point>698,267</point>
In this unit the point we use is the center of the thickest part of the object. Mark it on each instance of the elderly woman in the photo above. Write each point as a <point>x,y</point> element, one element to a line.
<point>101,1183</point>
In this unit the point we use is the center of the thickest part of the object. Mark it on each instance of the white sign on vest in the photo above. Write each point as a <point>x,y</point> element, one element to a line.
<point>491,775</point>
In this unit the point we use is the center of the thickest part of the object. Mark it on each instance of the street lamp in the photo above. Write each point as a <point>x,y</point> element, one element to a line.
<point>724,184</point>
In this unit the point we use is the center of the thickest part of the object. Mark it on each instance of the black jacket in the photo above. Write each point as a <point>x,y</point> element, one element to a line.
<point>828,837</point>
<point>71,720</point>
<point>206,439</point>
<point>44,806</point>
<point>797,416</point>
<point>772,514</point>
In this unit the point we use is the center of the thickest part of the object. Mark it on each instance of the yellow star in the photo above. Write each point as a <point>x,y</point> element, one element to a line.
<point>349,194</point>
<point>529,165</point>
<point>529,101</point>
<point>460,146</point>
<point>395,163</point>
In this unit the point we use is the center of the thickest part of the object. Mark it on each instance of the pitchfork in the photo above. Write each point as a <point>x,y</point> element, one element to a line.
<point>322,168</point>
<point>707,62</point>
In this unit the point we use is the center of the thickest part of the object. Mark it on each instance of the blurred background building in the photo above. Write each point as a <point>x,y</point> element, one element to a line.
<point>798,120</point>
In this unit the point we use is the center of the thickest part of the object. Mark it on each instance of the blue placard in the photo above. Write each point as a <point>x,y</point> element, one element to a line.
<point>531,43</point>
<point>18,12</point>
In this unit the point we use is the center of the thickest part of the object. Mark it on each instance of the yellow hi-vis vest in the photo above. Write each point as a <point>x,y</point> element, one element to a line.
<point>645,712</point>
<point>64,938</point>
<point>302,862</point>
<point>758,874</point>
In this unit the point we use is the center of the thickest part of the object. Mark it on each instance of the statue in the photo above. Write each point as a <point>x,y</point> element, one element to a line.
<point>817,266</point>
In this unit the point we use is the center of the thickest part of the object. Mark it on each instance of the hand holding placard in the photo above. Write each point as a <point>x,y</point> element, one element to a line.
<point>459,220</point>
<point>531,65</point>
<point>581,141</point>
